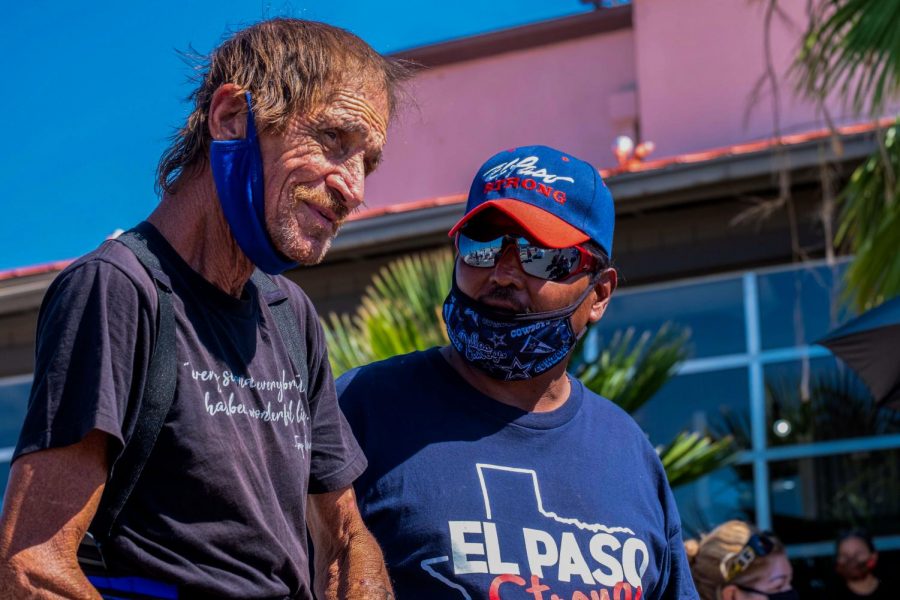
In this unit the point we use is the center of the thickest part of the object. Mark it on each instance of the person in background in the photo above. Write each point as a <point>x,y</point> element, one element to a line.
<point>735,561</point>
<point>855,565</point>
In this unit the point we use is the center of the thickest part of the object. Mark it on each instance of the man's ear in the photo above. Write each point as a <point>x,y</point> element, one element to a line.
<point>228,113</point>
<point>603,289</point>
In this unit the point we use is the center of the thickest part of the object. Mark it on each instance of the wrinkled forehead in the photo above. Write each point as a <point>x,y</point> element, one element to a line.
<point>366,102</point>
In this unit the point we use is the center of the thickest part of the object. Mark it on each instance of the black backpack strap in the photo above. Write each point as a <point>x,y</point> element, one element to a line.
<point>156,400</point>
<point>285,320</point>
<point>159,387</point>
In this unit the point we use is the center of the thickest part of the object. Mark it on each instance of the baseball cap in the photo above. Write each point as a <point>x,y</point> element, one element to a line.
<point>557,199</point>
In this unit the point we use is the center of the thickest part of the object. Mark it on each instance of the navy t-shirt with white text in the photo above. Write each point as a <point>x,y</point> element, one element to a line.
<point>474,499</point>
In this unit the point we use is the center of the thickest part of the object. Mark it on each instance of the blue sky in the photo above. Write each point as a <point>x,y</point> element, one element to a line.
<point>93,90</point>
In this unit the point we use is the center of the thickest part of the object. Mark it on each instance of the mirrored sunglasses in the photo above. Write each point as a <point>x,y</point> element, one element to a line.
<point>552,264</point>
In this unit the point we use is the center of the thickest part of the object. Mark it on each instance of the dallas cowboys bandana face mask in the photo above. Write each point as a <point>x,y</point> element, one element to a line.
<point>237,170</point>
<point>510,346</point>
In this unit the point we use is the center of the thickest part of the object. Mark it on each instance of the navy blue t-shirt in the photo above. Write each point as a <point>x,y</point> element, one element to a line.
<point>220,507</point>
<point>471,498</point>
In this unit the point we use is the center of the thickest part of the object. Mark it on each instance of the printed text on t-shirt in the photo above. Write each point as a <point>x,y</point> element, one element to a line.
<point>229,399</point>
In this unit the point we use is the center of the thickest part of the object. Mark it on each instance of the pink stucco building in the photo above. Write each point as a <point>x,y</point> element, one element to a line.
<point>688,76</point>
<point>702,80</point>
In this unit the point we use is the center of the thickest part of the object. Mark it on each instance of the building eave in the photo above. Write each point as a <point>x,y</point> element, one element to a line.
<point>703,175</point>
<point>653,185</point>
<point>23,293</point>
<point>660,184</point>
<point>520,38</point>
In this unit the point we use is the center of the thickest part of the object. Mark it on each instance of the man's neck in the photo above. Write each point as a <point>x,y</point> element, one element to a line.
<point>192,221</point>
<point>543,393</point>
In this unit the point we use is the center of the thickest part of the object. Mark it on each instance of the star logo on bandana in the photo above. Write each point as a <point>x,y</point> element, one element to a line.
<point>517,370</point>
<point>498,339</point>
<point>535,346</point>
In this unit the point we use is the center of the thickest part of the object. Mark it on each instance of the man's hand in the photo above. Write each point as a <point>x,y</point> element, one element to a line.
<point>349,563</point>
<point>50,500</point>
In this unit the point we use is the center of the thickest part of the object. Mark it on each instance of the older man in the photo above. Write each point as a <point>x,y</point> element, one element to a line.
<point>192,388</point>
<point>505,477</point>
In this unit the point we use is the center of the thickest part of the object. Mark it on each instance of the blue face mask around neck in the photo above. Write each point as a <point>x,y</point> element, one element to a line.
<point>507,346</point>
<point>237,170</point>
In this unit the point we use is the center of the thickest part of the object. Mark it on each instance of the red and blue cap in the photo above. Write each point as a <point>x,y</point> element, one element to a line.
<point>557,199</point>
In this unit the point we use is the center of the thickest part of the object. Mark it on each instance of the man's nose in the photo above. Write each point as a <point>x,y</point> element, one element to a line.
<point>507,269</point>
<point>349,180</point>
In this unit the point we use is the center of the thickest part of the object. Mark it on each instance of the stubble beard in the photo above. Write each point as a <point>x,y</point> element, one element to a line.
<point>303,239</point>
<point>506,296</point>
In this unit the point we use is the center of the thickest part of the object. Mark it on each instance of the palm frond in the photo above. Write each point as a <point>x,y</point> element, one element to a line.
<point>852,46</point>
<point>630,370</point>
<point>692,455</point>
<point>870,226</point>
<point>399,313</point>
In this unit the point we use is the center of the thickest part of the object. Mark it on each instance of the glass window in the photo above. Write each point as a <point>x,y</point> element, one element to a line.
<point>799,306</point>
<point>13,401</point>
<point>696,402</point>
<point>713,311</point>
<point>819,401</point>
<point>815,498</point>
<point>718,497</point>
<point>4,477</point>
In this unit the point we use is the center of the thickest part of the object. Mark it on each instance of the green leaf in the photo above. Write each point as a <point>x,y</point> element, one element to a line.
<point>691,456</point>
<point>852,46</point>
<point>870,227</point>
<point>398,313</point>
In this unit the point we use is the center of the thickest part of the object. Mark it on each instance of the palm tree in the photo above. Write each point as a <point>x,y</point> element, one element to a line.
<point>870,226</point>
<point>854,46</point>
<point>401,312</point>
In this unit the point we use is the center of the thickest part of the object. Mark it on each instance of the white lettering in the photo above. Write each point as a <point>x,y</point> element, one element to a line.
<point>629,560</point>
<point>496,566</point>
<point>523,166</point>
<point>289,411</point>
<point>462,549</point>
<point>571,562</point>
<point>538,559</point>
<point>598,543</point>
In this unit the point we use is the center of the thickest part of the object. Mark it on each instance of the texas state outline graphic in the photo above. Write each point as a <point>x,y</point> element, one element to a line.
<point>430,565</point>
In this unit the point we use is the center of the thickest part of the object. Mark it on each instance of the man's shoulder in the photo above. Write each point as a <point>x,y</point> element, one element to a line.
<point>397,371</point>
<point>601,405</point>
<point>610,416</point>
<point>111,261</point>
<point>297,297</point>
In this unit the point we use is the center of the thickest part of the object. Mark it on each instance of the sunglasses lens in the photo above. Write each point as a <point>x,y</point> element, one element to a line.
<point>477,253</point>
<point>553,264</point>
<point>550,263</point>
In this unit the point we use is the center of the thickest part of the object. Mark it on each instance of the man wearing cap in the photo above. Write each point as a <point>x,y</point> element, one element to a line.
<point>505,477</point>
